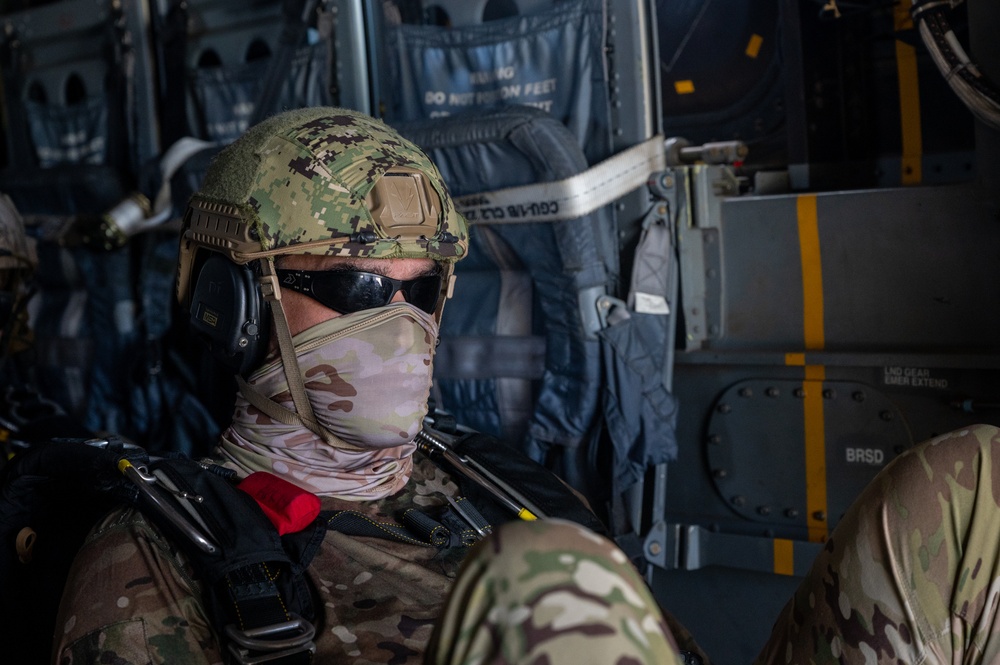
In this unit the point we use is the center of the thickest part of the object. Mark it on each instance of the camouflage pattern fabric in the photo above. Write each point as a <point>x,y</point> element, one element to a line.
<point>131,598</point>
<point>17,250</point>
<point>912,572</point>
<point>550,592</point>
<point>367,376</point>
<point>18,261</point>
<point>545,590</point>
<point>304,176</point>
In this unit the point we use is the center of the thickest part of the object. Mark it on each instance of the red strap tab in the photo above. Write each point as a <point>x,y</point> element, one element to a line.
<point>289,507</point>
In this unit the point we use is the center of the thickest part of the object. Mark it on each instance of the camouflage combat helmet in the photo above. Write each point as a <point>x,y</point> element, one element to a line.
<point>323,181</point>
<point>18,261</point>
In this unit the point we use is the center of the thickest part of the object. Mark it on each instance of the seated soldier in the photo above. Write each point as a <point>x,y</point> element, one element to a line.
<point>911,574</point>
<point>18,261</point>
<point>356,226</point>
<point>25,415</point>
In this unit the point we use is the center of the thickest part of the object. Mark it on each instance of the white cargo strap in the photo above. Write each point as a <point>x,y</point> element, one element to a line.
<point>135,214</point>
<point>173,159</point>
<point>572,197</point>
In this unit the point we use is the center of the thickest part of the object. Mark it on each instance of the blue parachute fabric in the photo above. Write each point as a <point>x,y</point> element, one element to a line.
<point>66,330</point>
<point>104,349</point>
<point>552,60</point>
<point>82,317</point>
<point>169,401</point>
<point>223,98</point>
<point>516,317</point>
<point>74,134</point>
<point>101,321</point>
<point>109,323</point>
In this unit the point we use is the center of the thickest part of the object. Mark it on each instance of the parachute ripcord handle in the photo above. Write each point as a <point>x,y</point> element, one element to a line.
<point>977,92</point>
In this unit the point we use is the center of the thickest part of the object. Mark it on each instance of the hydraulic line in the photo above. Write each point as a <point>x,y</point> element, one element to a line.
<point>977,92</point>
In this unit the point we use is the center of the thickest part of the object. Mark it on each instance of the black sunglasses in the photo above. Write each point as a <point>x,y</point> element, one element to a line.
<point>348,291</point>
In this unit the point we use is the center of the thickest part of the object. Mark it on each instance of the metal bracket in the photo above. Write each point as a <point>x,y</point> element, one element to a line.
<point>692,547</point>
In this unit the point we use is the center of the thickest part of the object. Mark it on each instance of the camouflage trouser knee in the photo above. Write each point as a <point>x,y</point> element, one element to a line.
<point>912,572</point>
<point>550,592</point>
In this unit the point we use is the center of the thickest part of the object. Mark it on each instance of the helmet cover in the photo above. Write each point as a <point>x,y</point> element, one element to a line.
<point>323,181</point>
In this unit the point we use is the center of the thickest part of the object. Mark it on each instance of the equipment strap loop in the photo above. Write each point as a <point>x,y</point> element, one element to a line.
<point>571,197</point>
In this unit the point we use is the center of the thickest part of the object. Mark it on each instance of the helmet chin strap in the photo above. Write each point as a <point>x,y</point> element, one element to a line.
<point>303,414</point>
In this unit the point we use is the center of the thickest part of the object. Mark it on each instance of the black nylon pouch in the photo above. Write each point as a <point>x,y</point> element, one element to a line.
<point>245,538</point>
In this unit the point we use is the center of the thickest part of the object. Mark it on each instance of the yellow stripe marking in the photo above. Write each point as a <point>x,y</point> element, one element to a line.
<point>753,48</point>
<point>784,557</point>
<point>909,114</point>
<point>684,87</point>
<point>812,274</point>
<point>909,100</point>
<point>815,373</point>
<point>901,16</point>
<point>795,359</point>
<point>815,340</point>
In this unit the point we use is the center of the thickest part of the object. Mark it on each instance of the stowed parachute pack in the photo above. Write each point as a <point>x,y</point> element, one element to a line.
<point>249,550</point>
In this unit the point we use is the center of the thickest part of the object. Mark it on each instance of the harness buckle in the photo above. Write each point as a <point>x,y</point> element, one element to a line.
<point>268,644</point>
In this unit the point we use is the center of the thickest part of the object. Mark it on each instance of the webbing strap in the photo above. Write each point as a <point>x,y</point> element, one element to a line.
<point>21,153</point>
<point>173,159</point>
<point>297,13</point>
<point>450,528</point>
<point>571,197</point>
<point>500,356</point>
<point>272,409</point>
<point>162,207</point>
<point>267,631</point>
<point>173,42</point>
<point>651,272</point>
<point>296,386</point>
<point>119,84</point>
<point>353,523</point>
<point>253,591</point>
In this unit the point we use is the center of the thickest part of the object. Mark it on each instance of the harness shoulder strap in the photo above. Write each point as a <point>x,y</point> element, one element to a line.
<point>254,580</point>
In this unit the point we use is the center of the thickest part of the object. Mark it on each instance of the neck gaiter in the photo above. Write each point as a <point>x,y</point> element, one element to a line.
<point>368,377</point>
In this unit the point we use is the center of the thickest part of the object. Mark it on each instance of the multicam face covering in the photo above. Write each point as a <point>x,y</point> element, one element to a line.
<point>368,377</point>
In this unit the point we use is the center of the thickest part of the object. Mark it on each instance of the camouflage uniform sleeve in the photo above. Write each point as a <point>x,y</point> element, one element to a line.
<point>129,598</point>
<point>912,572</point>
<point>550,592</point>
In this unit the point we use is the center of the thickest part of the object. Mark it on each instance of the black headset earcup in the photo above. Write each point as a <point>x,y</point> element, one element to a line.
<point>229,313</point>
